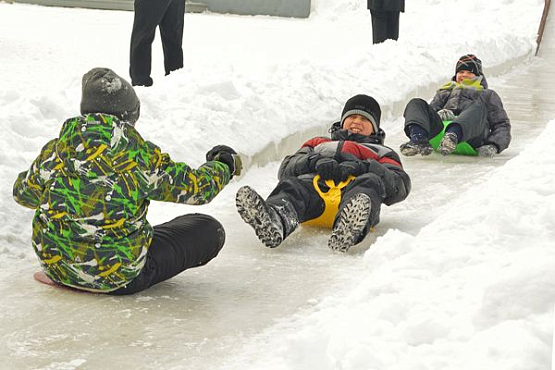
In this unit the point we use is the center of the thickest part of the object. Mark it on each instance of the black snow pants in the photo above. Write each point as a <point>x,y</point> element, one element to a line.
<point>308,204</point>
<point>149,14</point>
<point>472,120</point>
<point>385,25</point>
<point>187,241</point>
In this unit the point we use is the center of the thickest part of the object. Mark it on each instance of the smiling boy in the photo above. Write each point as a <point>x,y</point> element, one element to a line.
<point>472,112</point>
<point>353,164</point>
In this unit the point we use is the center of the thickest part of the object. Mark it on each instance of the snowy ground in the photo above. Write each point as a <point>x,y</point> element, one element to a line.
<point>460,275</point>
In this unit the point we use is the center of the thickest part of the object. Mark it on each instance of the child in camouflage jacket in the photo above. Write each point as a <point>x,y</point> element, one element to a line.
<point>91,189</point>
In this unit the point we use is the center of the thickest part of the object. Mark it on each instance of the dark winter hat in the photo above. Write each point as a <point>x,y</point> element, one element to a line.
<point>106,92</point>
<point>364,105</point>
<point>469,62</point>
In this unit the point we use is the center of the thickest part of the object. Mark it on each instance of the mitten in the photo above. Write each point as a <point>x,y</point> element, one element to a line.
<point>487,150</point>
<point>228,156</point>
<point>446,114</point>
<point>350,168</point>
<point>326,168</point>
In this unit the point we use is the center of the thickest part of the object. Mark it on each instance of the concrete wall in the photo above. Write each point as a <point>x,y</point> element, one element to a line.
<point>191,6</point>
<point>281,8</point>
<point>94,4</point>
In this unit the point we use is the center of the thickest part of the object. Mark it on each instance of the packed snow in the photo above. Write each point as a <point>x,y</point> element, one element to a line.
<point>464,281</point>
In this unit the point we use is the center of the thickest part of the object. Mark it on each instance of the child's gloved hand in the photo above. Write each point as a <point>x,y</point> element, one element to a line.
<point>350,168</point>
<point>446,114</point>
<point>487,150</point>
<point>326,168</point>
<point>228,156</point>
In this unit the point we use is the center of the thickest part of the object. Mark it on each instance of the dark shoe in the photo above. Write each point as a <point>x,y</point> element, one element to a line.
<point>263,219</point>
<point>413,148</point>
<point>351,223</point>
<point>288,215</point>
<point>143,82</point>
<point>448,144</point>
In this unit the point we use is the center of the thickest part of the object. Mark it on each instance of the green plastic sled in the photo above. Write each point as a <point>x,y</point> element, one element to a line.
<point>463,148</point>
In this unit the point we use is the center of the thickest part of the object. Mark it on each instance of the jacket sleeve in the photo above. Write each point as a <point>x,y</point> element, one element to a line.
<point>396,181</point>
<point>298,164</point>
<point>439,100</point>
<point>177,182</point>
<point>397,184</point>
<point>500,125</point>
<point>29,185</point>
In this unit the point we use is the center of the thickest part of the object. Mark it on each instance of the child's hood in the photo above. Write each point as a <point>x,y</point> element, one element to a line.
<point>96,145</point>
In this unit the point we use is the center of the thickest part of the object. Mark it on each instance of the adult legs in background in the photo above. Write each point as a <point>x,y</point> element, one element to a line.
<point>148,15</point>
<point>393,25</point>
<point>379,26</point>
<point>385,25</point>
<point>185,242</point>
<point>171,33</point>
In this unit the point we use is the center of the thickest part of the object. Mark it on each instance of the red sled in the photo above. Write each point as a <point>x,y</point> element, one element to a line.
<point>41,277</point>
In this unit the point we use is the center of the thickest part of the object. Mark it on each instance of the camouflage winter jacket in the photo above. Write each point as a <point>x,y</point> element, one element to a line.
<point>91,188</point>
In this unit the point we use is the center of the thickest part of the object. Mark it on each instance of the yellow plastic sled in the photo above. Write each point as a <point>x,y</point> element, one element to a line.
<point>331,199</point>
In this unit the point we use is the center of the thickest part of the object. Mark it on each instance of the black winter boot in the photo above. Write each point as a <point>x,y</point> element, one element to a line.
<point>351,223</point>
<point>412,148</point>
<point>288,215</point>
<point>448,144</point>
<point>272,224</point>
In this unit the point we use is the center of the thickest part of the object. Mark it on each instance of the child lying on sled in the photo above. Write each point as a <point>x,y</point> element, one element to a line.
<point>464,117</point>
<point>338,182</point>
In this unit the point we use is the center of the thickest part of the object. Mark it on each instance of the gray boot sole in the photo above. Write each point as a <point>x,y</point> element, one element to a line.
<point>351,223</point>
<point>254,211</point>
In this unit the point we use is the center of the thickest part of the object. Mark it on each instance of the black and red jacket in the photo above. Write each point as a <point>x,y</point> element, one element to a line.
<point>396,181</point>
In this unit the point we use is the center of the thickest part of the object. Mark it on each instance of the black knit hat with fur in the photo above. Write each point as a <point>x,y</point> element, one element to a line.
<point>103,91</point>
<point>469,62</point>
<point>364,105</point>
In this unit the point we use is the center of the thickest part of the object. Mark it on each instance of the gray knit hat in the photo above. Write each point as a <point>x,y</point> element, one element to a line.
<point>365,106</point>
<point>106,92</point>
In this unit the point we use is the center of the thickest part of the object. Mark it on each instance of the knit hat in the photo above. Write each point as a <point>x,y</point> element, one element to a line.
<point>106,92</point>
<point>469,62</point>
<point>364,105</point>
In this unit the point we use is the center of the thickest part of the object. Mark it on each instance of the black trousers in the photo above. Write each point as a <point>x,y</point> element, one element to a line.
<point>385,25</point>
<point>149,14</point>
<point>186,241</point>
<point>472,120</point>
<point>308,204</point>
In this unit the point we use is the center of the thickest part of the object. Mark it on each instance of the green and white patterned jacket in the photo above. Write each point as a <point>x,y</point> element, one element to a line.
<point>91,189</point>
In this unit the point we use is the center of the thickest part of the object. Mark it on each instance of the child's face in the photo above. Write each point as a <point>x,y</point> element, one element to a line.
<point>464,75</point>
<point>358,124</point>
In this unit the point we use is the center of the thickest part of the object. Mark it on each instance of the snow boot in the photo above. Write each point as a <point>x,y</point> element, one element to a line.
<point>448,144</point>
<point>351,223</point>
<point>412,148</point>
<point>271,223</point>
